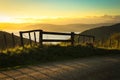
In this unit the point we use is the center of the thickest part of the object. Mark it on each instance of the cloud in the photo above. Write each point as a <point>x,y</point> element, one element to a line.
<point>111,18</point>
<point>74,20</point>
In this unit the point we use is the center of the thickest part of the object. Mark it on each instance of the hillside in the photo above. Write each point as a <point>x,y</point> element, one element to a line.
<point>9,40</point>
<point>103,32</point>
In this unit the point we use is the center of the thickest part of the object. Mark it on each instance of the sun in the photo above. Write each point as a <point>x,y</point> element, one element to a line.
<point>5,19</point>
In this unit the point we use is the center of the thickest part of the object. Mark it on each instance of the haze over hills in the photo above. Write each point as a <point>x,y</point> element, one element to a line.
<point>103,32</point>
<point>65,28</point>
<point>50,27</point>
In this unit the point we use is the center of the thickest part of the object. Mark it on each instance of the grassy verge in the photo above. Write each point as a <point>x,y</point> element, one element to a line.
<point>37,55</point>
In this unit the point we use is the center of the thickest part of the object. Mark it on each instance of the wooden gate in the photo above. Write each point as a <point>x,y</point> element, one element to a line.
<point>41,39</point>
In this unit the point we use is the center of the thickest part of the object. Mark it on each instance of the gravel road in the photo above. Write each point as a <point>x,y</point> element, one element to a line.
<point>94,68</point>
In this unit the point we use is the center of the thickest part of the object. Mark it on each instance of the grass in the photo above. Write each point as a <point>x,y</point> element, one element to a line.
<point>35,55</point>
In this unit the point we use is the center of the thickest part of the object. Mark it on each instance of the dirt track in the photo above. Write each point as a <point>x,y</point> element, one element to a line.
<point>95,68</point>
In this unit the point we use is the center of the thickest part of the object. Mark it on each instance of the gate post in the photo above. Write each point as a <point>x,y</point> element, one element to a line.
<point>41,38</point>
<point>30,39</point>
<point>13,40</point>
<point>72,38</point>
<point>21,39</point>
<point>35,38</point>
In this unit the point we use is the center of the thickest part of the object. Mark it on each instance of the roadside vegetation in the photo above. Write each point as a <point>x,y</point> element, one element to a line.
<point>48,53</point>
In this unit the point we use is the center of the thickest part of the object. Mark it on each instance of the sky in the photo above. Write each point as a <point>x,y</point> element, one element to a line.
<point>60,11</point>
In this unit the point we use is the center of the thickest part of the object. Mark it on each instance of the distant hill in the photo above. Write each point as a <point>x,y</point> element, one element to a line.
<point>65,28</point>
<point>103,32</point>
<point>9,40</point>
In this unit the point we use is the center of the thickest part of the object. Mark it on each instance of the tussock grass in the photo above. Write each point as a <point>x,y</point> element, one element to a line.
<point>36,55</point>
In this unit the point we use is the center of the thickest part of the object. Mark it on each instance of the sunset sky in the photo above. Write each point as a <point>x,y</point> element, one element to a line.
<point>59,11</point>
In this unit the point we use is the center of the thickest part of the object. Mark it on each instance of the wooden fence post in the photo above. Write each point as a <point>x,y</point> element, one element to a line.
<point>5,40</point>
<point>83,39</point>
<point>21,39</point>
<point>13,40</point>
<point>110,43</point>
<point>89,40</point>
<point>118,43</point>
<point>30,39</point>
<point>78,39</point>
<point>72,38</point>
<point>93,39</point>
<point>41,38</point>
<point>102,42</point>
